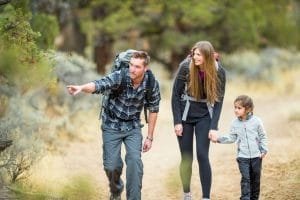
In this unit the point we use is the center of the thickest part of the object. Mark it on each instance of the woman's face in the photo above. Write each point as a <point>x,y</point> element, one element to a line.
<point>198,57</point>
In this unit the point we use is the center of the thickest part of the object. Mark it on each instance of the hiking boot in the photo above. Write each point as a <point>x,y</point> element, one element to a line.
<point>115,197</point>
<point>187,196</point>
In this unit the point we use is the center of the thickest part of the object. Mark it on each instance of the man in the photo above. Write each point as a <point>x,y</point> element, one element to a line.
<point>121,123</point>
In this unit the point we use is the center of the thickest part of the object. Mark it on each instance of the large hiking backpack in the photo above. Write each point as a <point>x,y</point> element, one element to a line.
<point>121,62</point>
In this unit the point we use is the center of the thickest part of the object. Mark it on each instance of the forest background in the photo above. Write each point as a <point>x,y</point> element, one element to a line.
<point>56,144</point>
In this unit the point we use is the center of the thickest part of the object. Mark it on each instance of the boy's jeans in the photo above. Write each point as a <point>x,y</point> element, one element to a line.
<point>113,163</point>
<point>250,169</point>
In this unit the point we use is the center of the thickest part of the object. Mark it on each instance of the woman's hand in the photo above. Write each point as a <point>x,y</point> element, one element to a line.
<point>178,129</point>
<point>213,136</point>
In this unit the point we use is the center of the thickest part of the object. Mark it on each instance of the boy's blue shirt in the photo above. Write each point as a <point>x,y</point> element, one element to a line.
<point>249,135</point>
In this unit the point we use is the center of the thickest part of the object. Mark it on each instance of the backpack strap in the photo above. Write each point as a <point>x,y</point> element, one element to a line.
<point>183,74</point>
<point>115,93</point>
<point>148,91</point>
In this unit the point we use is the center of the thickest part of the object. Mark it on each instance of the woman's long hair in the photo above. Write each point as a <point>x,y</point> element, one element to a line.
<point>210,74</point>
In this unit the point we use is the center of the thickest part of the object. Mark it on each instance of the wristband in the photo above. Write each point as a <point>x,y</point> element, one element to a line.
<point>148,138</point>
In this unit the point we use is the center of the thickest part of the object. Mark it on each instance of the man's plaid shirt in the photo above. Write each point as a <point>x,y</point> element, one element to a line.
<point>123,112</point>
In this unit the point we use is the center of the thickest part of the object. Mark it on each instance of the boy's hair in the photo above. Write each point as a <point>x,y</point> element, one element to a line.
<point>142,55</point>
<point>246,102</point>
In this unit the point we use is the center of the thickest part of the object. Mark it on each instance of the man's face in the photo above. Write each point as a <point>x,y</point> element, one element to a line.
<point>137,69</point>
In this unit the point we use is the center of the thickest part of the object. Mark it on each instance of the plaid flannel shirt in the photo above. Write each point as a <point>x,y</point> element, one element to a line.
<point>123,112</point>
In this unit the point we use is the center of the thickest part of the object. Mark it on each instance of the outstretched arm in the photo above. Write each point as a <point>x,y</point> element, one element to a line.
<point>228,138</point>
<point>87,88</point>
<point>111,81</point>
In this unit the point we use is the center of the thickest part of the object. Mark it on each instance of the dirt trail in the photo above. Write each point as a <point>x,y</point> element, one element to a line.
<point>161,178</point>
<point>282,135</point>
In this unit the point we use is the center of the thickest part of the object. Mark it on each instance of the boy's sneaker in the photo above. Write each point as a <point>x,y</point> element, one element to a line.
<point>115,197</point>
<point>187,196</point>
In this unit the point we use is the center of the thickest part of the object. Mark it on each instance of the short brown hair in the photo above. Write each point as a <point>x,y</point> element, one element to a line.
<point>142,55</point>
<point>246,102</point>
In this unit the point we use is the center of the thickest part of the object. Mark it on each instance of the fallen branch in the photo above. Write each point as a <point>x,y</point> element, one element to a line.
<point>4,143</point>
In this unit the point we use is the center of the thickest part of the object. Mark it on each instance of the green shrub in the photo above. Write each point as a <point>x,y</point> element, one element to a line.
<point>47,26</point>
<point>22,63</point>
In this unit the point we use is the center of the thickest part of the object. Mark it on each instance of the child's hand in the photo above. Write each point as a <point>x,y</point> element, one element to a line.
<point>213,136</point>
<point>262,155</point>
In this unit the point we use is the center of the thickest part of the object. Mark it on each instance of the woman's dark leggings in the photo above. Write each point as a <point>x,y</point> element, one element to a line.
<point>201,129</point>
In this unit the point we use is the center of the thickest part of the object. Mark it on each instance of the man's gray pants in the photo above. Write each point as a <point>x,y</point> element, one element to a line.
<point>113,164</point>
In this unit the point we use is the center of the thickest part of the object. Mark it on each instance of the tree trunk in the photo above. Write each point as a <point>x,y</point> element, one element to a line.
<point>175,59</point>
<point>103,51</point>
<point>72,39</point>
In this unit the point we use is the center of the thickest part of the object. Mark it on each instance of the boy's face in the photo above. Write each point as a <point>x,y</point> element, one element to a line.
<point>239,110</point>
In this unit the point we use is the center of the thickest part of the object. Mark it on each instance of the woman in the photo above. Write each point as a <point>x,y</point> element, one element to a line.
<point>197,99</point>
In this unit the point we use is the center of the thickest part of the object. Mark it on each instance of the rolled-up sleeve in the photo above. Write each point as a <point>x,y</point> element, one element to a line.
<point>111,81</point>
<point>153,102</point>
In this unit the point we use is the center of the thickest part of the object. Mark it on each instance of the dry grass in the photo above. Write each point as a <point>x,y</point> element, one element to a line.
<point>75,188</point>
<point>282,180</point>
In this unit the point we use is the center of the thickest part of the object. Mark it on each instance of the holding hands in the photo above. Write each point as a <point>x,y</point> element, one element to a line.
<point>178,129</point>
<point>213,136</point>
